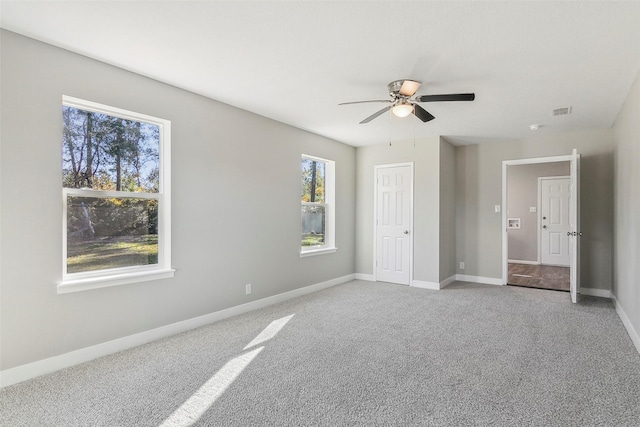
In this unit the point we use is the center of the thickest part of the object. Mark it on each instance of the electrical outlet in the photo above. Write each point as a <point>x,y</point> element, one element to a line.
<point>461,265</point>
<point>247,288</point>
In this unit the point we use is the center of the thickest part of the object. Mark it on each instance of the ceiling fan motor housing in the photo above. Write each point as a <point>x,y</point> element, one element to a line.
<point>395,86</point>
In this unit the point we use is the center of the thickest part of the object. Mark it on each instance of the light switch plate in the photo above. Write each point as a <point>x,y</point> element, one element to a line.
<point>497,208</point>
<point>532,209</point>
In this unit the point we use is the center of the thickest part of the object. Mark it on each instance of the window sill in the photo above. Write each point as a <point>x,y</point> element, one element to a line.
<point>314,252</point>
<point>86,284</point>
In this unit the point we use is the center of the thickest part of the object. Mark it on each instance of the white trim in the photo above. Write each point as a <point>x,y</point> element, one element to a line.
<point>51,364</point>
<point>539,223</point>
<point>104,281</point>
<point>375,215</point>
<point>106,194</point>
<point>314,252</point>
<point>446,282</point>
<point>602,293</point>
<point>533,160</point>
<point>433,285</point>
<point>83,104</point>
<point>505,229</point>
<point>479,279</point>
<point>521,261</point>
<point>633,334</point>
<point>414,283</point>
<point>425,285</point>
<point>574,221</point>
<point>555,177</point>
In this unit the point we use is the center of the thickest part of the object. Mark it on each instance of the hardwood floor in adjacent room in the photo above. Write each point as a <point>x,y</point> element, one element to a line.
<point>539,276</point>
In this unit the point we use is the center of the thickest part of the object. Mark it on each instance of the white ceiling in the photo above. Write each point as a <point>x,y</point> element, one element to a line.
<point>295,61</point>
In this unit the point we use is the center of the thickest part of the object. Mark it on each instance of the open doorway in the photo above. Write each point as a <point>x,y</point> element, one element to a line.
<point>537,225</point>
<point>540,200</point>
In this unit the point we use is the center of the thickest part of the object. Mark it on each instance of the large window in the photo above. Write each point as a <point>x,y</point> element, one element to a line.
<point>115,179</point>
<point>318,209</point>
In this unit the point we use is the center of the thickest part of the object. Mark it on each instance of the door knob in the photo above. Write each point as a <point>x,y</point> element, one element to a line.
<point>406,231</point>
<point>544,226</point>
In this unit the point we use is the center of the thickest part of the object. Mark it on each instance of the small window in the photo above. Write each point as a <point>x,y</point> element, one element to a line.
<point>115,179</point>
<point>317,206</point>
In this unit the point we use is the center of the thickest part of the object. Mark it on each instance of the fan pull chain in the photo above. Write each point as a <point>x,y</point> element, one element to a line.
<point>414,131</point>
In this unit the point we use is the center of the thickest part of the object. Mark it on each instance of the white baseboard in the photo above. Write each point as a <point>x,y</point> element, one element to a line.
<point>602,293</point>
<point>520,261</point>
<point>51,364</point>
<point>415,283</point>
<point>433,285</point>
<point>446,282</point>
<point>479,279</point>
<point>425,285</point>
<point>635,337</point>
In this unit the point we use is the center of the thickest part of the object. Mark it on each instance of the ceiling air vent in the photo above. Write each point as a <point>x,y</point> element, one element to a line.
<point>562,111</point>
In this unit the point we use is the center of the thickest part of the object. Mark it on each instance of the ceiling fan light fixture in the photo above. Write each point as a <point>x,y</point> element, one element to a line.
<point>402,110</point>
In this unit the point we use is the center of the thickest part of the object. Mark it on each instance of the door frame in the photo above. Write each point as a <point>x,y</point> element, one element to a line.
<point>540,179</point>
<point>505,238</point>
<point>574,219</point>
<point>376,168</point>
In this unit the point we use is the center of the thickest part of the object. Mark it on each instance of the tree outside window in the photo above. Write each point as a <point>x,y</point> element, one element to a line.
<point>111,178</point>
<point>313,206</point>
<point>317,203</point>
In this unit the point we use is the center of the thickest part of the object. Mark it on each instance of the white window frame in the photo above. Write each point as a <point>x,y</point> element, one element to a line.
<point>74,282</point>
<point>329,204</point>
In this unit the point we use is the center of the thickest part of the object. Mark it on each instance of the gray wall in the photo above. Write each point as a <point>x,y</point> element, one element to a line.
<point>425,155</point>
<point>522,193</point>
<point>626,132</point>
<point>479,188</point>
<point>235,210</point>
<point>447,210</point>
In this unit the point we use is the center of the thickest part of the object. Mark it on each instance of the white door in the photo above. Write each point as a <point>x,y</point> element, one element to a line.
<point>574,233</point>
<point>394,192</point>
<point>555,197</point>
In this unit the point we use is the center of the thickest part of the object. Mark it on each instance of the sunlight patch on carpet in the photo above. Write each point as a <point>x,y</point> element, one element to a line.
<point>193,408</point>
<point>269,332</point>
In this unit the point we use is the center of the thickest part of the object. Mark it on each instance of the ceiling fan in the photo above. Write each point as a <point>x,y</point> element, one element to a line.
<point>401,103</point>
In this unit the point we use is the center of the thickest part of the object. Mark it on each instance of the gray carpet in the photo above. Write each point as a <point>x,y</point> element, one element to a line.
<point>363,354</point>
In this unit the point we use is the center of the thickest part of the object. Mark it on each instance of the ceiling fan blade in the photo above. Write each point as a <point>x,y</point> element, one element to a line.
<point>409,87</point>
<point>363,102</point>
<point>448,97</point>
<point>376,114</point>
<point>422,114</point>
